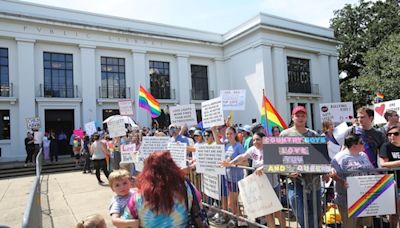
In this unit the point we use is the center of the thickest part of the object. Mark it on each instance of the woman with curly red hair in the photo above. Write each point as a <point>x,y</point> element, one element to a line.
<point>160,200</point>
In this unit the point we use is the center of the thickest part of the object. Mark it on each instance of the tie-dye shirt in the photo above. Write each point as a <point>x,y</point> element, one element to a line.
<point>147,218</point>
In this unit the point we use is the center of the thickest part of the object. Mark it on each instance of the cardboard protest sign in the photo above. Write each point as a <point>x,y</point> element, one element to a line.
<point>336,112</point>
<point>33,123</point>
<point>208,157</point>
<point>149,145</point>
<point>125,107</point>
<point>128,153</point>
<point>90,128</point>
<point>116,128</point>
<point>178,153</point>
<point>211,186</point>
<point>253,191</point>
<point>212,113</point>
<point>233,99</point>
<point>340,132</point>
<point>183,115</point>
<point>381,108</point>
<point>371,195</point>
<point>296,154</point>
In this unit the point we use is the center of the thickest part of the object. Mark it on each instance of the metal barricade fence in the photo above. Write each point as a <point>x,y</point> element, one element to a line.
<point>33,212</point>
<point>307,201</point>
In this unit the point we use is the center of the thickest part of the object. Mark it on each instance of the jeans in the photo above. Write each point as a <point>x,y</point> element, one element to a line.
<point>295,195</point>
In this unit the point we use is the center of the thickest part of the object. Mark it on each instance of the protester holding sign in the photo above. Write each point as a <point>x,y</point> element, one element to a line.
<point>390,158</point>
<point>255,153</point>
<point>295,189</point>
<point>352,158</point>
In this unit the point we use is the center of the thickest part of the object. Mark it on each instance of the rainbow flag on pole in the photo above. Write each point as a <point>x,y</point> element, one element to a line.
<point>148,102</point>
<point>270,117</point>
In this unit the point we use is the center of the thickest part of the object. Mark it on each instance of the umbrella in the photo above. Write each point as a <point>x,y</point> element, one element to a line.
<point>127,120</point>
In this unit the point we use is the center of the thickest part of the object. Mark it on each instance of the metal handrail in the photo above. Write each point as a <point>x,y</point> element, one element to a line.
<point>33,211</point>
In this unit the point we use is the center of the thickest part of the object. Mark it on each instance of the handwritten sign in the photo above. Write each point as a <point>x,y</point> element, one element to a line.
<point>337,112</point>
<point>90,128</point>
<point>208,157</point>
<point>253,190</point>
<point>33,123</point>
<point>116,128</point>
<point>183,115</point>
<point>148,146</point>
<point>211,186</point>
<point>212,113</point>
<point>128,153</point>
<point>125,107</point>
<point>296,154</point>
<point>233,99</point>
<point>381,108</point>
<point>178,153</point>
<point>371,195</point>
<point>78,132</point>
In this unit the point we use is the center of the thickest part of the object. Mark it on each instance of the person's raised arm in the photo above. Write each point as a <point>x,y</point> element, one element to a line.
<point>118,222</point>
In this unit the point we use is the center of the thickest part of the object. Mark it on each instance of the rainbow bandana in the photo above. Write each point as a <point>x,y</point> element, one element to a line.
<point>371,195</point>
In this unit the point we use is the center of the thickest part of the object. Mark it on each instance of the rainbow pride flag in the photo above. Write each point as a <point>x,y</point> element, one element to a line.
<point>148,102</point>
<point>371,195</point>
<point>270,117</point>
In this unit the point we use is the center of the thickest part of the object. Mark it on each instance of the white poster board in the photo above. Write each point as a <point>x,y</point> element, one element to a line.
<point>253,191</point>
<point>178,153</point>
<point>116,128</point>
<point>211,186</point>
<point>208,157</point>
<point>233,99</point>
<point>336,112</point>
<point>183,115</point>
<point>149,145</point>
<point>37,137</point>
<point>33,123</point>
<point>125,107</point>
<point>371,195</point>
<point>212,113</point>
<point>128,153</point>
<point>90,128</point>
<point>380,109</point>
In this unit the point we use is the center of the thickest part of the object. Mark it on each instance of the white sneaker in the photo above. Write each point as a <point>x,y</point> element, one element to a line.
<point>215,217</point>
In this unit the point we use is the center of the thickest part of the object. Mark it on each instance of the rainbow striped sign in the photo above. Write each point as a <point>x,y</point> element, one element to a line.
<point>380,185</point>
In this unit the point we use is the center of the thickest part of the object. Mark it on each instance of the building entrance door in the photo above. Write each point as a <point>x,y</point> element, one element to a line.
<point>61,122</point>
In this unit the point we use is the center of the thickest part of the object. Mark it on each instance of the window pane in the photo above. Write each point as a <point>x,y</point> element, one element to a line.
<point>46,56</point>
<point>68,58</point>
<point>4,61</point>
<point>4,124</point>
<point>121,62</point>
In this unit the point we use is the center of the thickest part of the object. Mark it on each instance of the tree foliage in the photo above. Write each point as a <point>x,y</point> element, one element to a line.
<point>363,30</point>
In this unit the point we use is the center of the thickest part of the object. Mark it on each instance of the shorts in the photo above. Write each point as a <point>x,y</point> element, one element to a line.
<point>77,156</point>
<point>228,186</point>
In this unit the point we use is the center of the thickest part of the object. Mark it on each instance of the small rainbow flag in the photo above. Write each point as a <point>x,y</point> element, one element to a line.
<point>270,117</point>
<point>148,102</point>
<point>371,195</point>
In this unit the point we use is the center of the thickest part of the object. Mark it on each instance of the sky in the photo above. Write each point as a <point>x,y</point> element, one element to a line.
<point>217,16</point>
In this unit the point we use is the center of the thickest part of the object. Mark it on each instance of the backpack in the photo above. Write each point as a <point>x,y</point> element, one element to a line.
<point>197,216</point>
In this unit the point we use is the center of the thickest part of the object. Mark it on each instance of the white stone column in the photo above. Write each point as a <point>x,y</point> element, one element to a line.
<point>25,89</point>
<point>184,88</point>
<point>88,87</point>
<point>280,82</point>
<point>263,60</point>
<point>323,77</point>
<point>334,73</point>
<point>221,79</point>
<point>140,77</point>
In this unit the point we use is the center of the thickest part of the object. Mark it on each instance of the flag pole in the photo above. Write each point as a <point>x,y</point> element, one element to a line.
<point>265,113</point>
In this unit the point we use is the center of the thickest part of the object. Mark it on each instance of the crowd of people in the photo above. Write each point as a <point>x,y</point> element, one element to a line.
<point>162,198</point>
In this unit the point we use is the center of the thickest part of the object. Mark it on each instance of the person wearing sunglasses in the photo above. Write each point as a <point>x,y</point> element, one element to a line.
<point>389,157</point>
<point>351,158</point>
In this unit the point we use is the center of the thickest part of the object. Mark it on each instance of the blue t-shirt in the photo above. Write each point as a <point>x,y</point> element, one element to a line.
<point>231,152</point>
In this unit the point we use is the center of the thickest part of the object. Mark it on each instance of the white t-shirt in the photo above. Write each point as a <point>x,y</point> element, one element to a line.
<point>256,155</point>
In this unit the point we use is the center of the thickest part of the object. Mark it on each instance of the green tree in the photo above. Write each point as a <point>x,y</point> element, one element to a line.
<point>361,28</point>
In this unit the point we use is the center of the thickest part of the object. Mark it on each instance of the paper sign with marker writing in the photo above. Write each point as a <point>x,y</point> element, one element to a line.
<point>183,115</point>
<point>233,99</point>
<point>116,128</point>
<point>212,113</point>
<point>211,186</point>
<point>336,112</point>
<point>90,128</point>
<point>33,123</point>
<point>381,108</point>
<point>149,145</point>
<point>128,153</point>
<point>125,107</point>
<point>253,191</point>
<point>208,157</point>
<point>371,195</point>
<point>178,153</point>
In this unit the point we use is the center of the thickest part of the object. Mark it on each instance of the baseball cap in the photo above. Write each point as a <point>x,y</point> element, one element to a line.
<point>255,126</point>
<point>246,128</point>
<point>299,109</point>
<point>197,132</point>
<point>192,129</point>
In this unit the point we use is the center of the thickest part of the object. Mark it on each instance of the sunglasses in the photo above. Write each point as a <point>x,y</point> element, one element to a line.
<point>393,133</point>
<point>206,135</point>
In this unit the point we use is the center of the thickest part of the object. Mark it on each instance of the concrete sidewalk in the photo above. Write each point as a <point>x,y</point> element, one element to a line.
<point>66,199</point>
